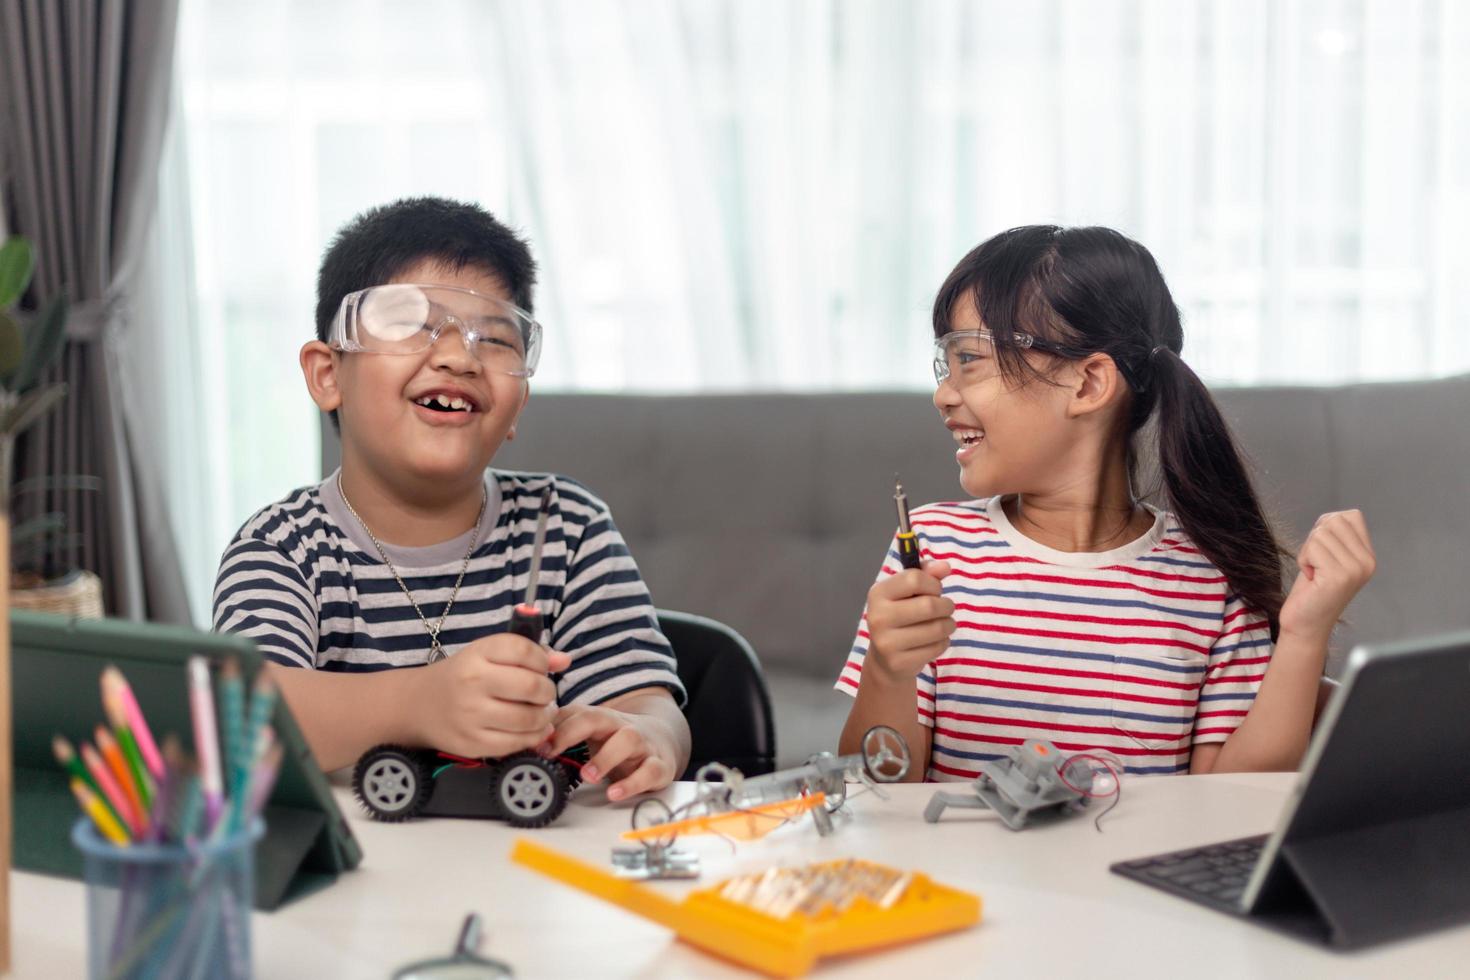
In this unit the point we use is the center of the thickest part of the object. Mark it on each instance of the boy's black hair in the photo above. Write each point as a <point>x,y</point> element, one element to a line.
<point>382,242</point>
<point>1092,290</point>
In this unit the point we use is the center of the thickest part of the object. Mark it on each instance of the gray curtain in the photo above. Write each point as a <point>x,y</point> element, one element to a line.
<point>84,92</point>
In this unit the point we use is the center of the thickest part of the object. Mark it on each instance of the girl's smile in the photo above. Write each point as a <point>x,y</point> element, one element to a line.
<point>968,437</point>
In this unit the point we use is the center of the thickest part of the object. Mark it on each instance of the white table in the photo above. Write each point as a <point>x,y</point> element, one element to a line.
<point>1051,907</point>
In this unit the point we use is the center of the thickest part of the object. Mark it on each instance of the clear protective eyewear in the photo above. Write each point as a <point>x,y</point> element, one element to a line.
<point>406,318</point>
<point>969,355</point>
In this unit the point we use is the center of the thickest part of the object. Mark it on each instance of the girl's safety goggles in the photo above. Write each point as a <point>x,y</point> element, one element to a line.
<point>969,355</point>
<point>406,318</point>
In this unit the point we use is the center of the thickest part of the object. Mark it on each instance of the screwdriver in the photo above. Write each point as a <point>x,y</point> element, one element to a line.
<point>525,619</point>
<point>908,542</point>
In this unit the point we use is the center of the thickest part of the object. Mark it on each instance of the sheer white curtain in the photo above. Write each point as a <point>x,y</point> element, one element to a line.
<point>756,194</point>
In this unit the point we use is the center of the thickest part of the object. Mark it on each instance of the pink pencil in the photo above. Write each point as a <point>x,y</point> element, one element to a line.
<point>114,793</point>
<point>264,781</point>
<point>113,680</point>
<point>206,738</point>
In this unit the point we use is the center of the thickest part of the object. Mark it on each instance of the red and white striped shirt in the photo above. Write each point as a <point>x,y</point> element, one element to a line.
<point>1143,651</point>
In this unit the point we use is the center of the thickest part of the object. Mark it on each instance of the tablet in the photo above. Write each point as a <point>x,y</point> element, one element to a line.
<point>56,662</point>
<point>1374,842</point>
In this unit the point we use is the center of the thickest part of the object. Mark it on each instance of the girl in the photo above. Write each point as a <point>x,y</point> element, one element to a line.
<point>1059,606</point>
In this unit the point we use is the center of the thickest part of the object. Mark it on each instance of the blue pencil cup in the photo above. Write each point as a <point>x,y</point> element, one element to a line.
<point>168,910</point>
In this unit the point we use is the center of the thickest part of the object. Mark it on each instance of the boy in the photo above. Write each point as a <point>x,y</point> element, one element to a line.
<point>411,555</point>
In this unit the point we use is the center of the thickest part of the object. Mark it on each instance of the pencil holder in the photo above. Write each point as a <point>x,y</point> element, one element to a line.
<point>168,910</point>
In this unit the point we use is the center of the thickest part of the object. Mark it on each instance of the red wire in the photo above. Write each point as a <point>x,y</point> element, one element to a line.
<point>478,763</point>
<point>1100,760</point>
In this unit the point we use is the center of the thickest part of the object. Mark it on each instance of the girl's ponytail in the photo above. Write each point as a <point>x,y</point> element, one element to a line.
<point>1208,489</point>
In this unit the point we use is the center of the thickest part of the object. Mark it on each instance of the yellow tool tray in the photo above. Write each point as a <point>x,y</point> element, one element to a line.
<point>775,937</point>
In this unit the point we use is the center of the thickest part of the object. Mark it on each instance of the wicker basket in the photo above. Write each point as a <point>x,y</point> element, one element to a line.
<point>78,594</point>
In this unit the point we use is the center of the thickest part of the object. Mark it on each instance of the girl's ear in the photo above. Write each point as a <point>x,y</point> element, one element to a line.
<point>319,366</point>
<point>1095,384</point>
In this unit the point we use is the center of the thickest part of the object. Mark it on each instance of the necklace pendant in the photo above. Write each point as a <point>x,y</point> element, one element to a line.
<point>436,653</point>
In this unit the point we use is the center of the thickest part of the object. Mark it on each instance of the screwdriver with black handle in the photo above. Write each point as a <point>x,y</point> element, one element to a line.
<point>525,619</point>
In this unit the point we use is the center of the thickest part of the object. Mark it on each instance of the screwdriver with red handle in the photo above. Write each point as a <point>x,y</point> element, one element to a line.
<point>525,619</point>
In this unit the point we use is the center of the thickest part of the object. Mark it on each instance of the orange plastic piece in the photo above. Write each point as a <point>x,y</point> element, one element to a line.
<point>747,823</point>
<point>779,947</point>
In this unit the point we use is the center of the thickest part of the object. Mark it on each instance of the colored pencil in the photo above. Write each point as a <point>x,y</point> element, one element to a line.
<point>78,769</point>
<point>265,782</point>
<point>113,679</point>
<point>262,705</point>
<point>104,821</point>
<point>206,737</point>
<point>120,770</point>
<point>122,804</point>
<point>117,717</point>
<point>232,703</point>
<point>185,826</point>
<point>239,816</point>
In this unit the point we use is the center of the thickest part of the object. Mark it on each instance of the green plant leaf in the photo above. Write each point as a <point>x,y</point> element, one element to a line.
<point>12,346</point>
<point>37,527</point>
<point>32,405</point>
<point>42,344</point>
<point>15,269</point>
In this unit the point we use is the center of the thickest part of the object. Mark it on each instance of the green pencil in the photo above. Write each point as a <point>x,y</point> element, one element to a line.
<point>237,753</point>
<point>118,717</point>
<point>68,759</point>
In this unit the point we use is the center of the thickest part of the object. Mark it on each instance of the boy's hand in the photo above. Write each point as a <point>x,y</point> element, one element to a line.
<point>490,699</point>
<point>636,752</point>
<point>909,622</point>
<point>1336,561</point>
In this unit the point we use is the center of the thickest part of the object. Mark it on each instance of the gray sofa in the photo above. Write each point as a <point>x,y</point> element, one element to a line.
<point>771,512</point>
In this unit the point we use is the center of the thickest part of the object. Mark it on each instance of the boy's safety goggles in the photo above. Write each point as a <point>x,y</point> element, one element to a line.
<point>404,318</point>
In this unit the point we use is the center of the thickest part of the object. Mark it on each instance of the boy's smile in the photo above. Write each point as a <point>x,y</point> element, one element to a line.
<point>446,404</point>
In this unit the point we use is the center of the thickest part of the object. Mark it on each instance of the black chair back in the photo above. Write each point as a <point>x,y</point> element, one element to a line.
<point>729,709</point>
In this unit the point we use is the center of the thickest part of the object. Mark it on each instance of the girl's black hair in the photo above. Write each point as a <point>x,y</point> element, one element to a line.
<point>1092,290</point>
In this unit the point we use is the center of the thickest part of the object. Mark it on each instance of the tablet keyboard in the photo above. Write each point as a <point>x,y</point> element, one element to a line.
<point>1214,875</point>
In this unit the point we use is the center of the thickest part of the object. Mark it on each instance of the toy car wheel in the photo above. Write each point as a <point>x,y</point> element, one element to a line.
<point>529,791</point>
<point>391,782</point>
<point>885,754</point>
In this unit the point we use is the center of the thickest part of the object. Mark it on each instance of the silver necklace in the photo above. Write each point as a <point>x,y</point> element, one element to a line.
<point>436,649</point>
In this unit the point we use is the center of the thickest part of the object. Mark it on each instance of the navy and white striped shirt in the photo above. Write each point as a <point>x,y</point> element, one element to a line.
<point>305,582</point>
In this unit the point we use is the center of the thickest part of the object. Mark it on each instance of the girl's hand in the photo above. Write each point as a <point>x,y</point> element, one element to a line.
<point>1336,561</point>
<point>909,622</point>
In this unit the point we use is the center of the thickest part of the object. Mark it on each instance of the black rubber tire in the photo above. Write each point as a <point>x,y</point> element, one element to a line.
<point>392,783</point>
<point>527,790</point>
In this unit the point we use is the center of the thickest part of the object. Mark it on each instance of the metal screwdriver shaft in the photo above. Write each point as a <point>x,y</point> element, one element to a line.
<point>525,619</point>
<point>908,542</point>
